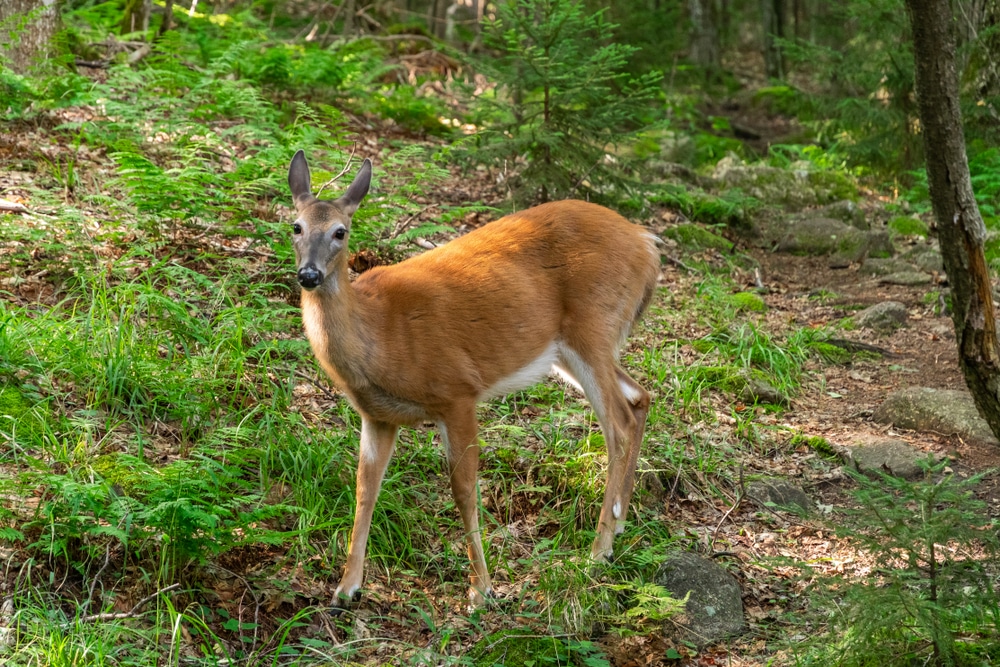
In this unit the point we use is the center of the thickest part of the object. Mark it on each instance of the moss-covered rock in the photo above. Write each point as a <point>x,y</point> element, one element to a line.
<point>696,237</point>
<point>906,226</point>
<point>748,301</point>
<point>795,188</point>
<point>507,648</point>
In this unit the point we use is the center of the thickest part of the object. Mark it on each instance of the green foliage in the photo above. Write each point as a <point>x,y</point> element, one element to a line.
<point>731,208</point>
<point>696,237</point>
<point>562,99</point>
<point>908,226</point>
<point>931,597</point>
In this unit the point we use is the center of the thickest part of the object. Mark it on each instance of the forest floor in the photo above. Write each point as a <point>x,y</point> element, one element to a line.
<point>834,401</point>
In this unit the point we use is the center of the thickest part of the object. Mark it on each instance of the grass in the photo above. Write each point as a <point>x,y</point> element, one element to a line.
<point>162,420</point>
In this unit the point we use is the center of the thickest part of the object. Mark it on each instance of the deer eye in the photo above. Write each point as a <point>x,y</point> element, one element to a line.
<point>296,228</point>
<point>340,233</point>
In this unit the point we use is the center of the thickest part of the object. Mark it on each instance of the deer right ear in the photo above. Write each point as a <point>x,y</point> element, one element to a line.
<point>299,182</point>
<point>351,199</point>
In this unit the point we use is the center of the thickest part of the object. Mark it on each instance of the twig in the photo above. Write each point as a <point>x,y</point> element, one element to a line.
<point>739,499</point>
<point>304,376</point>
<point>343,171</point>
<point>424,243</point>
<point>133,612</point>
<point>758,281</point>
<point>93,64</point>
<point>676,262</point>
<point>396,38</point>
<point>401,227</point>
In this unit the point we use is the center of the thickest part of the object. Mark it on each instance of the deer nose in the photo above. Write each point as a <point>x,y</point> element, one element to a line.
<point>310,277</point>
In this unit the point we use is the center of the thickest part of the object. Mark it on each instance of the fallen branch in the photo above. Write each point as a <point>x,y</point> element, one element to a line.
<point>133,612</point>
<point>12,206</point>
<point>350,158</point>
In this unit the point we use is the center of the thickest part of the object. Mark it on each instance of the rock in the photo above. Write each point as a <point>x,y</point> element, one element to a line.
<point>781,493</point>
<point>696,237</point>
<point>794,189</point>
<point>907,226</point>
<point>715,609</point>
<point>908,278</point>
<point>927,259</point>
<point>824,236</point>
<point>947,411</point>
<point>748,301</point>
<point>894,457</point>
<point>884,317</point>
<point>845,211</point>
<point>880,244</point>
<point>884,266</point>
<point>758,391</point>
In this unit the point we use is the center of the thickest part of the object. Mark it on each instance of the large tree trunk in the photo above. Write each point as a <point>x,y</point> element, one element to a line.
<point>773,20</point>
<point>21,43</point>
<point>704,34</point>
<point>960,226</point>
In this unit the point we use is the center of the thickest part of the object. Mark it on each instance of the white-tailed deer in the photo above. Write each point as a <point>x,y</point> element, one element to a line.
<point>557,286</point>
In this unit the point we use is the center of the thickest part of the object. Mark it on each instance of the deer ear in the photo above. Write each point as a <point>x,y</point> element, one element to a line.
<point>298,181</point>
<point>351,199</point>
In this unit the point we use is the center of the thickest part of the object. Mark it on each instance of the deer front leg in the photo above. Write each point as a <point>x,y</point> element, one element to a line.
<point>377,442</point>
<point>462,449</point>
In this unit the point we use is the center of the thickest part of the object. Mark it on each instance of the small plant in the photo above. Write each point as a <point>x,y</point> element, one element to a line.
<point>562,101</point>
<point>931,595</point>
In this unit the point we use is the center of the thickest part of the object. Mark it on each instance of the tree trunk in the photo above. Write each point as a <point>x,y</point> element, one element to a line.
<point>136,18</point>
<point>960,226</point>
<point>704,34</point>
<point>773,20</point>
<point>26,30</point>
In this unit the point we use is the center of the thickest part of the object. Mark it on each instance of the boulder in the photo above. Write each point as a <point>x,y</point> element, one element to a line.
<point>792,189</point>
<point>714,609</point>
<point>779,493</point>
<point>846,211</point>
<point>884,266</point>
<point>906,278</point>
<point>824,236</point>
<point>894,457</point>
<point>947,411</point>
<point>883,317</point>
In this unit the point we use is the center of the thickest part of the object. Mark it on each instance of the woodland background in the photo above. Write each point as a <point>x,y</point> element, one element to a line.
<point>176,475</point>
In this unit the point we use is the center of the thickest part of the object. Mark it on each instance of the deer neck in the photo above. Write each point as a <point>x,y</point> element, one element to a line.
<point>335,320</point>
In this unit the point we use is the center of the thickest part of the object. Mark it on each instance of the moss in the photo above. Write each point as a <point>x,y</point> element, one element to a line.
<point>907,226</point>
<point>831,353</point>
<point>833,185</point>
<point>748,301</point>
<point>120,470</point>
<point>17,416</point>
<point>693,236</point>
<point>518,647</point>
<point>816,443</point>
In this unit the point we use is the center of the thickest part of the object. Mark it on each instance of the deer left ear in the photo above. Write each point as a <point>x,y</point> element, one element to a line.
<point>351,199</point>
<point>299,181</point>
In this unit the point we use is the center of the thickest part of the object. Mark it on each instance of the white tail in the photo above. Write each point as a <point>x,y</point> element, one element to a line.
<point>558,286</point>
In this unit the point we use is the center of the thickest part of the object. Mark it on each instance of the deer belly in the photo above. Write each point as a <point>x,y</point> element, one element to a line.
<point>527,375</point>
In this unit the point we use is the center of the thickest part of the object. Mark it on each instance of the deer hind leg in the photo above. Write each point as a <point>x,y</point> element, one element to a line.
<point>612,403</point>
<point>459,433</point>
<point>638,401</point>
<point>377,442</point>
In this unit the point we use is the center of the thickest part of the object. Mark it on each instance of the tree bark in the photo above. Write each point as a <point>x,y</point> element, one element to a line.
<point>704,34</point>
<point>773,20</point>
<point>960,226</point>
<point>26,30</point>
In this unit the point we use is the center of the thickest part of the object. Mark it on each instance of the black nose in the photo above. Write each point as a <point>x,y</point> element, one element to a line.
<point>310,277</point>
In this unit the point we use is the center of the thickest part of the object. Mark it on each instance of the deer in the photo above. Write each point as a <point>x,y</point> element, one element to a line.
<point>557,287</point>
